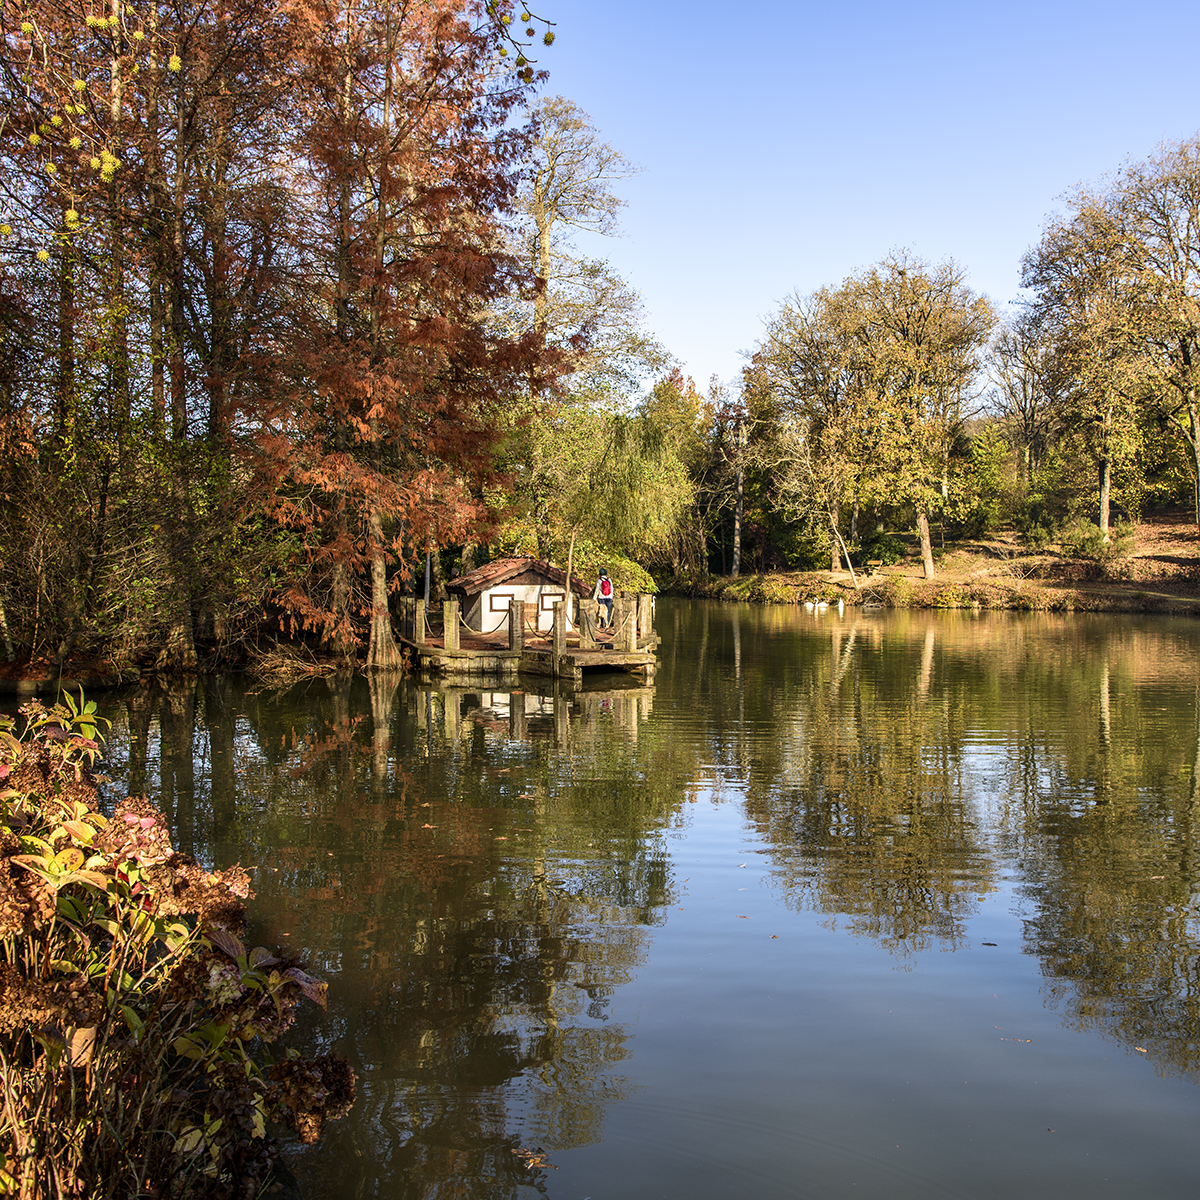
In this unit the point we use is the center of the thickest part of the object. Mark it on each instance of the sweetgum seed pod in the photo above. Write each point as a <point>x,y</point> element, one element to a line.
<point>549,38</point>
<point>43,256</point>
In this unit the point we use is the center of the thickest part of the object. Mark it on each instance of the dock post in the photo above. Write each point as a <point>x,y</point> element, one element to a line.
<point>559,638</point>
<point>516,625</point>
<point>587,629</point>
<point>450,625</point>
<point>418,629</point>
<point>645,622</point>
<point>626,640</point>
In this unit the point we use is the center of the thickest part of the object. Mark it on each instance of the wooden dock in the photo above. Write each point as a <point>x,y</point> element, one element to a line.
<point>517,648</point>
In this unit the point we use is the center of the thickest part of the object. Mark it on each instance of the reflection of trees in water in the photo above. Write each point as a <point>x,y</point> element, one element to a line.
<point>475,898</point>
<point>896,765</point>
<point>1111,893</point>
<point>860,794</point>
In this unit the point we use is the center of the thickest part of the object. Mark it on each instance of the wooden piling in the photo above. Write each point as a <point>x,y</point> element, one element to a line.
<point>516,625</point>
<point>558,643</point>
<point>625,641</point>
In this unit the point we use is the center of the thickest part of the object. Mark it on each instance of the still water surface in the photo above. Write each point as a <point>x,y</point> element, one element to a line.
<point>881,905</point>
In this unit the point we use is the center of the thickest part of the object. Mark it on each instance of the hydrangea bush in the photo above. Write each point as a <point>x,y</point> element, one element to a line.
<point>137,1029</point>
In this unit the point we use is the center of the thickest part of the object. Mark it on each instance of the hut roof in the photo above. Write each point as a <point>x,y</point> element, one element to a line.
<point>523,570</point>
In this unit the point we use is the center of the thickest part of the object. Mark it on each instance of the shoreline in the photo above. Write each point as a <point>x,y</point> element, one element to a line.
<point>902,591</point>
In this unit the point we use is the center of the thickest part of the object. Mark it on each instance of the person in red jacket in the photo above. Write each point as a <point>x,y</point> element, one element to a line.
<point>604,593</point>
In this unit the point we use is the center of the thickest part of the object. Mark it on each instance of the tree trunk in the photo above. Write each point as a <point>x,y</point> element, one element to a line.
<point>439,576</point>
<point>835,557</point>
<point>9,652</point>
<point>119,368</point>
<point>849,565</point>
<point>926,544</point>
<point>175,285</point>
<point>737,522</point>
<point>383,653</point>
<point>157,226</point>
<point>1191,432</point>
<point>569,598</point>
<point>1105,467</point>
<point>220,303</point>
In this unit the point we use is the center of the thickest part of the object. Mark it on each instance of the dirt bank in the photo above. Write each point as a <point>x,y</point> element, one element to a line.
<point>1158,571</point>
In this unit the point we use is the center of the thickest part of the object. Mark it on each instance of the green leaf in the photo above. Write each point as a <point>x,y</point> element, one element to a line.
<point>187,1047</point>
<point>189,1140</point>
<point>136,1025</point>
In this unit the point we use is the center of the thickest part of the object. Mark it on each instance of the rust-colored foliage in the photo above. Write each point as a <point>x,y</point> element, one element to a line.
<point>393,378</point>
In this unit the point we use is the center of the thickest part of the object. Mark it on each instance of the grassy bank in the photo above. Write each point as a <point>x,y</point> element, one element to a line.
<point>1157,570</point>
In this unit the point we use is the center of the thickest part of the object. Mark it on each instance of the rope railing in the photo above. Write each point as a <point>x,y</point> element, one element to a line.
<point>482,632</point>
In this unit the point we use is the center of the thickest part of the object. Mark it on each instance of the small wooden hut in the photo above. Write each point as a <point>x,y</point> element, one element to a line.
<point>484,593</point>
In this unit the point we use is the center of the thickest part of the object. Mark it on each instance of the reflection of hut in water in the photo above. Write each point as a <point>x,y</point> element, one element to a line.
<point>532,715</point>
<point>485,593</point>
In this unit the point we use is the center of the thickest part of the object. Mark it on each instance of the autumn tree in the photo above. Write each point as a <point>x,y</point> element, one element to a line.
<point>1029,387</point>
<point>1088,301</point>
<point>174,233</point>
<point>1158,203</point>
<point>921,338</point>
<point>391,392</point>
<point>813,370</point>
<point>872,382</point>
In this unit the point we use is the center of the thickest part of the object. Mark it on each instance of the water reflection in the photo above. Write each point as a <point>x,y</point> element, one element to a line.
<point>470,868</point>
<point>481,872</point>
<point>899,766</point>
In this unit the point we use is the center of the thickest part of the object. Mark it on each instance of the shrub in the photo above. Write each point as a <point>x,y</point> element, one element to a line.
<point>135,1024</point>
<point>882,546</point>
<point>1085,540</point>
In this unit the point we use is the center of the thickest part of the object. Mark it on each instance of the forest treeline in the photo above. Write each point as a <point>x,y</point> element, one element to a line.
<point>292,303</point>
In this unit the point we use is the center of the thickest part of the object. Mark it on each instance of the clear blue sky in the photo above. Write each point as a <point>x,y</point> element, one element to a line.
<point>785,146</point>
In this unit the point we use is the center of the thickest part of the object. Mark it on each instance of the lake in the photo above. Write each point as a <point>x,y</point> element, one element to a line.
<point>880,904</point>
